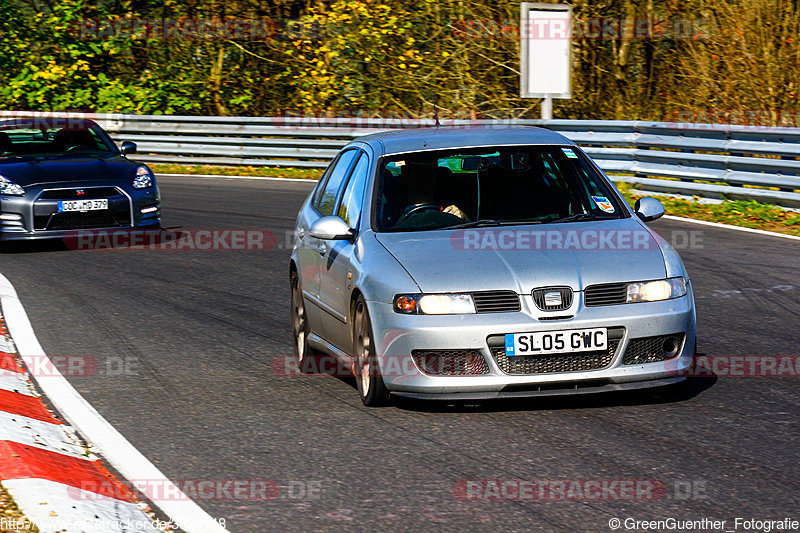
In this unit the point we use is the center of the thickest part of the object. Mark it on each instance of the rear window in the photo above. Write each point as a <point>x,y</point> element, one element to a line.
<point>511,184</point>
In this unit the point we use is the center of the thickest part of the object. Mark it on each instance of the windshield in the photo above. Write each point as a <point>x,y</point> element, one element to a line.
<point>490,186</point>
<point>53,142</point>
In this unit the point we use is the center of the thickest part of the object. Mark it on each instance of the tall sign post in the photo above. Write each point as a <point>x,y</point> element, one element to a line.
<point>545,53</point>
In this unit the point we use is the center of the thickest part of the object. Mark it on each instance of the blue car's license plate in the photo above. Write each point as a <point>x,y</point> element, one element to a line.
<point>83,205</point>
<point>555,342</point>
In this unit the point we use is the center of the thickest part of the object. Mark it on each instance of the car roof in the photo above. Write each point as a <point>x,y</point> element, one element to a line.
<point>437,138</point>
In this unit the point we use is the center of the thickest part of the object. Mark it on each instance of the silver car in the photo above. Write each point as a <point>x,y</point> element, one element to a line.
<point>484,263</point>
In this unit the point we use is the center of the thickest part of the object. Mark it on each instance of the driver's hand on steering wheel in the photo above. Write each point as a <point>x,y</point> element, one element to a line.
<point>455,211</point>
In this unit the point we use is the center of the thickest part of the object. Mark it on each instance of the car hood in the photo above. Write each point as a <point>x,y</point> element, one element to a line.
<point>521,258</point>
<point>67,169</point>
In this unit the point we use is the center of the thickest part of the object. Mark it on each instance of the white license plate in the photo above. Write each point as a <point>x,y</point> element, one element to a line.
<point>550,342</point>
<point>82,205</point>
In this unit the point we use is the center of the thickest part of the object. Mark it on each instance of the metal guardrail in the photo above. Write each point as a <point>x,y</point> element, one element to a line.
<point>715,161</point>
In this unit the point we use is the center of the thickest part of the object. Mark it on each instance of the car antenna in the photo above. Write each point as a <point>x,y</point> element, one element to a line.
<point>435,111</point>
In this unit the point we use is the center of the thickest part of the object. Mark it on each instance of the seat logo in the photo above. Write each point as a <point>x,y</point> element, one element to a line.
<point>553,299</point>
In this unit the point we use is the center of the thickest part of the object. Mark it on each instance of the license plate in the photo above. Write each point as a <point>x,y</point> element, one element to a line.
<point>82,205</point>
<point>553,342</point>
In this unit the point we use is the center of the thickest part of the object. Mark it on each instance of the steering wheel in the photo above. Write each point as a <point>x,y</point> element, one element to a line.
<point>418,209</point>
<point>75,148</point>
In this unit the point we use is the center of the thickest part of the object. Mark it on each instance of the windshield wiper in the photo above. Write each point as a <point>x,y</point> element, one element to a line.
<point>485,222</point>
<point>481,223</point>
<point>581,216</point>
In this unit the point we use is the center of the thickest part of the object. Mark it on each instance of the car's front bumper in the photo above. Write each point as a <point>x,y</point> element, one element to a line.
<point>397,335</point>
<point>26,217</point>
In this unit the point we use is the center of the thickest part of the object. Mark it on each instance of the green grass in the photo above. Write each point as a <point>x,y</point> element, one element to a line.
<point>745,213</point>
<point>268,172</point>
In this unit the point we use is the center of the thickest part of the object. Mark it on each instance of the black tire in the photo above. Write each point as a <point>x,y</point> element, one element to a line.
<point>300,328</point>
<point>370,384</point>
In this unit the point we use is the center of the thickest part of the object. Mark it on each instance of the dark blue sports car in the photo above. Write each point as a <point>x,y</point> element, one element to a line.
<point>57,177</point>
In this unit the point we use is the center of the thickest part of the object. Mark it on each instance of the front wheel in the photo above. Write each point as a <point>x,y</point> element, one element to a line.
<point>371,388</point>
<point>300,328</point>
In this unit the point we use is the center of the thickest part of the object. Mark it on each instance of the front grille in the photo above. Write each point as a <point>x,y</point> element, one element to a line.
<point>77,220</point>
<point>496,302</point>
<point>551,364</point>
<point>72,194</point>
<point>607,294</point>
<point>564,297</point>
<point>450,362</point>
<point>653,349</point>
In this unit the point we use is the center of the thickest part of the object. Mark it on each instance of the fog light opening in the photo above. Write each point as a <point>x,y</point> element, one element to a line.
<point>671,347</point>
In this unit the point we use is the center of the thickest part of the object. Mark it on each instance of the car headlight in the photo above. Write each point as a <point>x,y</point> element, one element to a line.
<point>143,179</point>
<point>654,291</point>
<point>434,304</point>
<point>9,187</point>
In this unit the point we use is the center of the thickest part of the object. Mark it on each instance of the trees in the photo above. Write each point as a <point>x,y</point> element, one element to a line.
<point>645,59</point>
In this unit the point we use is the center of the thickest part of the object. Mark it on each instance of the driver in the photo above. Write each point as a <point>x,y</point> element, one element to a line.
<point>420,182</point>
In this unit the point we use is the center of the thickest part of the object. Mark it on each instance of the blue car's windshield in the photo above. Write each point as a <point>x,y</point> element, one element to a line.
<point>35,142</point>
<point>490,186</point>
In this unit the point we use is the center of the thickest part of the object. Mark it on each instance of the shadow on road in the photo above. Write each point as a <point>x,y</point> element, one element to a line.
<point>659,395</point>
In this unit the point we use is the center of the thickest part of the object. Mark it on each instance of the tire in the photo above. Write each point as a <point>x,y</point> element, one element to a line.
<point>300,328</point>
<point>370,384</point>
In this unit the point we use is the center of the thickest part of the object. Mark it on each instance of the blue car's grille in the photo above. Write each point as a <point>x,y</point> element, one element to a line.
<point>88,193</point>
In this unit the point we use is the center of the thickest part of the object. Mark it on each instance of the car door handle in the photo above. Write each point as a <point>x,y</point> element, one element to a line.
<point>322,248</point>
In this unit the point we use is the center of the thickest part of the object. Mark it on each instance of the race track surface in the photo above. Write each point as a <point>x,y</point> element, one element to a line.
<point>184,342</point>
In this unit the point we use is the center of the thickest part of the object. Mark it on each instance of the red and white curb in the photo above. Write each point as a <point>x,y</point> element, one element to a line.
<point>57,482</point>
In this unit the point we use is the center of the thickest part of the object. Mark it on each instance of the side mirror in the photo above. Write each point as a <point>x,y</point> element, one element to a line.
<point>128,147</point>
<point>332,228</point>
<point>649,209</point>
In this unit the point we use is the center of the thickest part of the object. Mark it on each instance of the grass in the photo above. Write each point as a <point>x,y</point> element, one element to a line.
<point>270,172</point>
<point>744,213</point>
<point>748,214</point>
<point>14,520</point>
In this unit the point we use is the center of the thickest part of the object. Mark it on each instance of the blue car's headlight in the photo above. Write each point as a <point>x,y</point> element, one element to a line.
<point>9,187</point>
<point>143,179</point>
<point>654,291</point>
<point>434,304</point>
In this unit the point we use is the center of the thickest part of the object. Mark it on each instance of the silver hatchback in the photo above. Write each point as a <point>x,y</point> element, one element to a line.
<point>484,263</point>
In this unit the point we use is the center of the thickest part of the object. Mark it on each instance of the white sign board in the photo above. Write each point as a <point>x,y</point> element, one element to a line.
<point>545,48</point>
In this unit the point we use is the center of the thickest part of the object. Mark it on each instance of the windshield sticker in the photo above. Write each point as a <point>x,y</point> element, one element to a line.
<point>603,203</point>
<point>569,153</point>
<point>399,163</point>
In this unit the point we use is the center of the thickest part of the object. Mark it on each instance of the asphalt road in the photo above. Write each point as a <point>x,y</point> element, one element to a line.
<point>198,331</point>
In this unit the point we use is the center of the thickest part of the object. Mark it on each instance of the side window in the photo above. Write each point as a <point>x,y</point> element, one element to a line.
<point>350,208</point>
<point>330,191</point>
<point>321,183</point>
